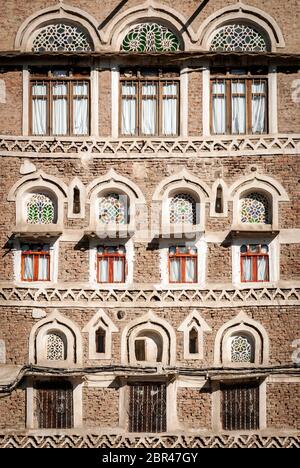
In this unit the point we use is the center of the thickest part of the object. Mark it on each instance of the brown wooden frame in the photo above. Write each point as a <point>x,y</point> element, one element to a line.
<point>159,81</point>
<point>111,257</point>
<point>35,254</point>
<point>49,79</point>
<point>248,79</point>
<point>183,257</point>
<point>255,256</point>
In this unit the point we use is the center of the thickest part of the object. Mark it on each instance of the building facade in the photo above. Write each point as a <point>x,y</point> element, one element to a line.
<point>150,223</point>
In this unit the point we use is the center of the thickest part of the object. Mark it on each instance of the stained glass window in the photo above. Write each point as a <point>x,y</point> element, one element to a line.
<point>150,37</point>
<point>255,209</point>
<point>40,209</point>
<point>61,37</point>
<point>241,349</point>
<point>55,347</point>
<point>113,209</point>
<point>182,209</point>
<point>238,38</point>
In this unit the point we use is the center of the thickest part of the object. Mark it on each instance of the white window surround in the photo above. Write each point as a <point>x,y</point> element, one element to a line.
<point>274,259</point>
<point>2,352</point>
<point>164,246</point>
<point>55,322</point>
<point>213,214</point>
<point>241,324</point>
<point>149,322</point>
<point>100,320</point>
<point>54,258</point>
<point>76,182</point>
<point>151,333</point>
<point>129,246</point>
<point>194,321</point>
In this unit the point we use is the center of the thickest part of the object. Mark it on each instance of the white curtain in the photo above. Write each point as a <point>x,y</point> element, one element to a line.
<point>80,109</point>
<point>128,110</point>
<point>169,110</point>
<point>28,267</point>
<point>60,111</point>
<point>103,270</point>
<point>43,268</point>
<point>39,109</point>
<point>219,108</point>
<point>175,270</point>
<point>247,269</point>
<point>258,107</point>
<point>238,108</point>
<point>262,269</point>
<point>118,270</point>
<point>190,271</point>
<point>149,106</point>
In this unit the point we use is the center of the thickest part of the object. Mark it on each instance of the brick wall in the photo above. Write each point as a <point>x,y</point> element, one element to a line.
<point>12,410</point>
<point>101,407</point>
<point>283,405</point>
<point>194,408</point>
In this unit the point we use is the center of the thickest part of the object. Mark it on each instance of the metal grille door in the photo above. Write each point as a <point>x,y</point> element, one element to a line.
<point>240,407</point>
<point>147,408</point>
<point>54,405</point>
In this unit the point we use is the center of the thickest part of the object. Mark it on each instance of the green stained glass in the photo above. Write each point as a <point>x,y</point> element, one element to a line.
<point>150,37</point>
<point>40,209</point>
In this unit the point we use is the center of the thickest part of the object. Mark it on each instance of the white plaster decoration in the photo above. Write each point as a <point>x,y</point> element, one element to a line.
<point>25,108</point>
<point>100,320</point>
<point>242,324</point>
<point>273,100</point>
<point>57,37</point>
<point>184,102</point>
<point>225,194</point>
<point>39,314</point>
<point>241,13</point>
<point>206,100</point>
<point>27,167</point>
<point>2,352</point>
<point>194,321</point>
<point>61,13</point>
<point>57,324</point>
<point>153,325</point>
<point>2,91</point>
<point>76,183</point>
<point>94,102</point>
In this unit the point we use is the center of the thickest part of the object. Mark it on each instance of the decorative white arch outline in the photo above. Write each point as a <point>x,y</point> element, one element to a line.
<point>242,323</point>
<point>60,12</point>
<point>146,323</point>
<point>216,184</point>
<point>100,319</point>
<point>55,321</point>
<point>245,13</point>
<point>76,182</point>
<point>194,320</point>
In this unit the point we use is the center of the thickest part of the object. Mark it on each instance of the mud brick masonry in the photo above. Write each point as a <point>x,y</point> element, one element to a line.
<point>150,223</point>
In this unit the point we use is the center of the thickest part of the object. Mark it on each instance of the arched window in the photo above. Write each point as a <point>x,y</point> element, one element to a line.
<point>183,209</point>
<point>100,340</point>
<point>238,38</point>
<point>148,347</point>
<point>113,208</point>
<point>255,209</point>
<point>40,209</point>
<point>150,37</point>
<point>61,37</point>
<point>219,204</point>
<point>76,200</point>
<point>56,346</point>
<point>242,348</point>
<point>193,341</point>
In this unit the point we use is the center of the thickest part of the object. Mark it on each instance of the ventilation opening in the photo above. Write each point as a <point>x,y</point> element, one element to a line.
<point>100,341</point>
<point>76,201</point>
<point>219,208</point>
<point>193,341</point>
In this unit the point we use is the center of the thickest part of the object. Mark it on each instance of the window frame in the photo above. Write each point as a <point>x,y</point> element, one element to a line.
<point>255,256</point>
<point>228,77</point>
<point>137,80</point>
<point>183,258</point>
<point>36,255</point>
<point>48,78</point>
<point>111,257</point>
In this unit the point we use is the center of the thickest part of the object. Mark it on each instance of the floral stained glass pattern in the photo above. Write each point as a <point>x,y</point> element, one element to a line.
<point>150,37</point>
<point>255,209</point>
<point>113,209</point>
<point>40,209</point>
<point>182,209</point>
<point>61,38</point>
<point>55,348</point>
<point>241,349</point>
<point>238,38</point>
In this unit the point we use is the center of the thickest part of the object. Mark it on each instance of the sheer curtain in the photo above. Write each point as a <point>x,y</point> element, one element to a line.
<point>169,110</point>
<point>129,109</point>
<point>43,267</point>
<point>238,107</point>
<point>190,270</point>
<point>103,270</point>
<point>175,270</point>
<point>28,267</point>
<point>262,269</point>
<point>247,269</point>
<point>258,106</point>
<point>39,109</point>
<point>149,109</point>
<point>219,108</point>
<point>118,270</point>
<point>60,112</point>
<point>80,109</point>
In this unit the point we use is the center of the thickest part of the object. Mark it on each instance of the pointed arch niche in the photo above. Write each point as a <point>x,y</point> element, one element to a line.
<point>100,322</point>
